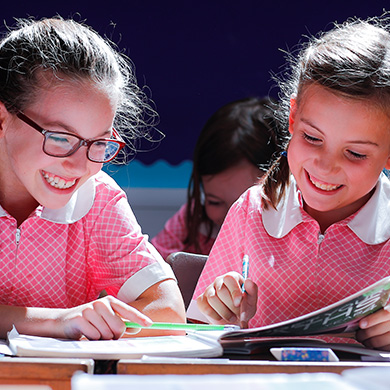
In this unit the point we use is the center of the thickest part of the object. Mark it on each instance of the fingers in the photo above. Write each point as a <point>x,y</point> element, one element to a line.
<point>102,319</point>
<point>217,304</point>
<point>374,330</point>
<point>249,303</point>
<point>222,301</point>
<point>375,319</point>
<point>214,309</point>
<point>377,337</point>
<point>233,288</point>
<point>129,312</point>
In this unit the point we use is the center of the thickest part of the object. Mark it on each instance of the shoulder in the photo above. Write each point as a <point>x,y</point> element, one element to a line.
<point>246,210</point>
<point>110,201</point>
<point>250,200</point>
<point>105,183</point>
<point>107,189</point>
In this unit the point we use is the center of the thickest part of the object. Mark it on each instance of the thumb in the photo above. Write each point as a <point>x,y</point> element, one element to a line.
<point>249,303</point>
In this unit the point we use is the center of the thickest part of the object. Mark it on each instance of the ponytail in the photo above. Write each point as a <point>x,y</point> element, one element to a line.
<point>275,182</point>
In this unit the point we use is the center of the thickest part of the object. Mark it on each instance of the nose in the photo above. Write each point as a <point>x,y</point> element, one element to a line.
<point>77,163</point>
<point>327,161</point>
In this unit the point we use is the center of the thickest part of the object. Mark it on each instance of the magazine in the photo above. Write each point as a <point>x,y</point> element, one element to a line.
<point>340,317</point>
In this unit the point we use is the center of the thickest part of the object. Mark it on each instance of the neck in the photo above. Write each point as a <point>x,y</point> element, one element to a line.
<point>14,197</point>
<point>328,218</point>
<point>14,208</point>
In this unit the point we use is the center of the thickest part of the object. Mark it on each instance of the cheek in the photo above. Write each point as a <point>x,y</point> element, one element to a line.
<point>291,155</point>
<point>92,169</point>
<point>211,213</point>
<point>216,214</point>
<point>25,149</point>
<point>25,160</point>
<point>296,152</point>
<point>95,168</point>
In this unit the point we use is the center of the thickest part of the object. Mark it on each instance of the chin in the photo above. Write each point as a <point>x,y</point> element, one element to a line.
<point>54,205</point>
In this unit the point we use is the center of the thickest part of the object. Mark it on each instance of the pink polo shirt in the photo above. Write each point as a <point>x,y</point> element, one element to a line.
<point>297,269</point>
<point>66,257</point>
<point>171,238</point>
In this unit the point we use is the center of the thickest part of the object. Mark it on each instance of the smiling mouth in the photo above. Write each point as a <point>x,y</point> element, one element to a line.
<point>58,182</point>
<point>322,185</point>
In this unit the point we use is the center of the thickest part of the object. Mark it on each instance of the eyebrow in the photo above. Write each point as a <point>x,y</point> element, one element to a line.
<point>210,195</point>
<point>360,142</point>
<point>71,130</point>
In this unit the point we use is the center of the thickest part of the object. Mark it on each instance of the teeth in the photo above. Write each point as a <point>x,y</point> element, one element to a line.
<point>323,186</point>
<point>57,182</point>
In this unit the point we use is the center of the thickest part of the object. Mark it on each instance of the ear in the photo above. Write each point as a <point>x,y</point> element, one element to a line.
<point>293,111</point>
<point>4,116</point>
<point>387,166</point>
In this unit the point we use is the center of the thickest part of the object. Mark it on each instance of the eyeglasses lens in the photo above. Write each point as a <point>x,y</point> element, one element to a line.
<point>62,145</point>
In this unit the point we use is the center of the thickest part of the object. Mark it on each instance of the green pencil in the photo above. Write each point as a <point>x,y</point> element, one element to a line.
<point>175,326</point>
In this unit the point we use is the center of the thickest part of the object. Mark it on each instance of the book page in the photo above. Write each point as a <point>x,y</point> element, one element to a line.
<point>179,346</point>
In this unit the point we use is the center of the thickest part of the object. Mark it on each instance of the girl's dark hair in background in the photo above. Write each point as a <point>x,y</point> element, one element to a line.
<point>243,129</point>
<point>353,61</point>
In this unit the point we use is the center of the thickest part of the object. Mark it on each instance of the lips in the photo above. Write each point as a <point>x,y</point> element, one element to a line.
<point>58,182</point>
<point>323,185</point>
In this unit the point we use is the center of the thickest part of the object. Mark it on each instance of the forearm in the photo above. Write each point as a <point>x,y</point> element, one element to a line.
<point>34,321</point>
<point>161,303</point>
<point>98,319</point>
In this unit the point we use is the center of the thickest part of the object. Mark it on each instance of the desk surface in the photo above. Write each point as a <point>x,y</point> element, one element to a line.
<point>225,366</point>
<point>56,373</point>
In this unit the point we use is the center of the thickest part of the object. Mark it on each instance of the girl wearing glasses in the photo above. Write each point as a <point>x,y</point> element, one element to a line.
<point>66,229</point>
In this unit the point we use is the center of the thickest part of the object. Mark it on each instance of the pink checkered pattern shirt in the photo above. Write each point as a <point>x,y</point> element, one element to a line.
<point>171,238</point>
<point>297,269</point>
<point>66,257</point>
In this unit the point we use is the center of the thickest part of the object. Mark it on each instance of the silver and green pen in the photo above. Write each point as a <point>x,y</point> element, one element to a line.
<point>179,326</point>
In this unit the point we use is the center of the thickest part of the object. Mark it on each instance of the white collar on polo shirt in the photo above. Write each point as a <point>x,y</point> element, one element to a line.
<point>371,224</point>
<point>77,207</point>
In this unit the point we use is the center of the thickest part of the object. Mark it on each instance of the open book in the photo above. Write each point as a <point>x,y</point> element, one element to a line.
<point>340,317</point>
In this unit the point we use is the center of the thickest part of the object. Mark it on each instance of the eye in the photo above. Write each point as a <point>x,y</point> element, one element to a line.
<point>101,144</point>
<point>311,139</point>
<point>214,203</point>
<point>58,138</point>
<point>356,156</point>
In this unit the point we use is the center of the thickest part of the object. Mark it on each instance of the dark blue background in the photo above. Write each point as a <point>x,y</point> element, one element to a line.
<point>195,56</point>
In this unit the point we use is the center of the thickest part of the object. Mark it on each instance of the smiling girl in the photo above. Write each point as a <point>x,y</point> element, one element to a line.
<point>66,229</point>
<point>317,229</point>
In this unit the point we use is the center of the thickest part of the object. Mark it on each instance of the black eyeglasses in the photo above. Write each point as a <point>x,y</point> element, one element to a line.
<point>58,144</point>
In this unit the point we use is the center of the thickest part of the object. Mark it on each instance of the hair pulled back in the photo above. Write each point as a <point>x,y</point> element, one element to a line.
<point>59,50</point>
<point>351,60</point>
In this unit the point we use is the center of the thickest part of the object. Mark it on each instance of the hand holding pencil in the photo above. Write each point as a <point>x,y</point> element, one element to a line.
<point>228,301</point>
